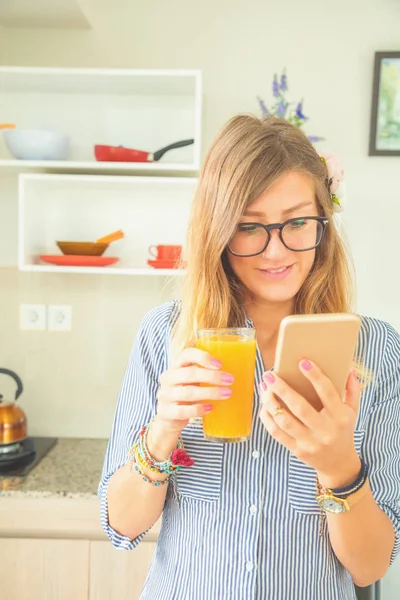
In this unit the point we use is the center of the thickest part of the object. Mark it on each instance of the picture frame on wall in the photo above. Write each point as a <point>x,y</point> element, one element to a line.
<point>384,137</point>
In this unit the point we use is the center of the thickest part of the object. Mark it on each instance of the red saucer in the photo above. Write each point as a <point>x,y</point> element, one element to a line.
<point>77,260</point>
<point>163,264</point>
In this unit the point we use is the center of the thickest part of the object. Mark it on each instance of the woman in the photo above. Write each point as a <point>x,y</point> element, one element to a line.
<point>243,522</point>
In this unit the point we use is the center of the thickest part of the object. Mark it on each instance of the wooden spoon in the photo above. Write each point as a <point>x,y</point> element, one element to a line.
<point>111,237</point>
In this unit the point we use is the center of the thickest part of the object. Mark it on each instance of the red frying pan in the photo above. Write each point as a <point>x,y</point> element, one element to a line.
<point>121,154</point>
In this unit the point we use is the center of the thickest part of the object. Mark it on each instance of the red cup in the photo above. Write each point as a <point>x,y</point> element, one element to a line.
<point>166,252</point>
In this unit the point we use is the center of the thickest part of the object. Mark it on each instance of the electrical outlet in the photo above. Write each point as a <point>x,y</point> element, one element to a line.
<point>33,317</point>
<point>59,318</point>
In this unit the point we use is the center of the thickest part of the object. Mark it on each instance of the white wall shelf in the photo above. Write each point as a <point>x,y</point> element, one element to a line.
<point>93,167</point>
<point>59,207</point>
<point>135,108</point>
<point>104,270</point>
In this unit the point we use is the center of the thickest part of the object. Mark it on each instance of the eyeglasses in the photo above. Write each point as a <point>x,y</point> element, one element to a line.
<point>299,235</point>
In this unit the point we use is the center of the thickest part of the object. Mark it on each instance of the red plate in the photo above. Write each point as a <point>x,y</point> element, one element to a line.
<point>162,264</point>
<point>78,260</point>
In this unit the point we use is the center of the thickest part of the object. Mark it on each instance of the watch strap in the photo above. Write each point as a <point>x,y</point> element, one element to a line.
<point>345,496</point>
<point>346,503</point>
<point>359,494</point>
<point>346,491</point>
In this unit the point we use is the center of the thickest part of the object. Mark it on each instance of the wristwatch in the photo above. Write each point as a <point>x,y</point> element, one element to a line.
<point>341,500</point>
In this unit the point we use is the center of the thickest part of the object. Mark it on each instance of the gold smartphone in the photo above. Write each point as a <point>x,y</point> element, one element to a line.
<point>328,340</point>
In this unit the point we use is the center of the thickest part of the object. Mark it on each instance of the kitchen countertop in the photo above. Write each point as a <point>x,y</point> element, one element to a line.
<point>71,469</point>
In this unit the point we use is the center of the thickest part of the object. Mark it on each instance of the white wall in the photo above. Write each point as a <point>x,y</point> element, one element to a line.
<point>328,51</point>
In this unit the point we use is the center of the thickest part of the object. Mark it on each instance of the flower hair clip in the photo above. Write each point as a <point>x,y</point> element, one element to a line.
<point>334,181</point>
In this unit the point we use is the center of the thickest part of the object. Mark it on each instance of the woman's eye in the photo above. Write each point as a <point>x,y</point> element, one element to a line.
<point>298,224</point>
<point>248,228</point>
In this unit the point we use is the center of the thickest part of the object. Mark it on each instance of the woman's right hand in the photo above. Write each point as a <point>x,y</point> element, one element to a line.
<point>181,396</point>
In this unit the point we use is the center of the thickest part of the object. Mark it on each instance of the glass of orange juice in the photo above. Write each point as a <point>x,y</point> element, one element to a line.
<point>230,420</point>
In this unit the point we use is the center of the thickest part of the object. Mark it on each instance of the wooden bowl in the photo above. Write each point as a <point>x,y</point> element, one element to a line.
<point>82,248</point>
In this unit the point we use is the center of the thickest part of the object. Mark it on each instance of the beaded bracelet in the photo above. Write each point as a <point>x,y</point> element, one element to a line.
<point>153,465</point>
<point>178,458</point>
<point>141,456</point>
<point>143,475</point>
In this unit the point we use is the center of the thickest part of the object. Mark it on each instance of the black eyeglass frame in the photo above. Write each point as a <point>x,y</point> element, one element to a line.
<point>323,220</point>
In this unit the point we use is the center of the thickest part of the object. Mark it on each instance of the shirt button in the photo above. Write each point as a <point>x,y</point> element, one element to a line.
<point>256,454</point>
<point>249,566</point>
<point>253,509</point>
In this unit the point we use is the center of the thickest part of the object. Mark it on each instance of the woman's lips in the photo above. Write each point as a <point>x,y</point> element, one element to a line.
<point>276,273</point>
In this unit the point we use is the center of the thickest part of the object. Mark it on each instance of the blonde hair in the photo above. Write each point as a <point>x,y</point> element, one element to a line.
<point>246,158</point>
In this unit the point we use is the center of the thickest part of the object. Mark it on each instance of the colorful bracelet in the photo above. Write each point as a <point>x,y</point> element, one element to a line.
<point>133,464</point>
<point>178,458</point>
<point>143,460</point>
<point>155,466</point>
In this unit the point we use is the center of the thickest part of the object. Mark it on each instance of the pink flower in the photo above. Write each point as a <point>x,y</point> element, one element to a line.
<point>335,170</point>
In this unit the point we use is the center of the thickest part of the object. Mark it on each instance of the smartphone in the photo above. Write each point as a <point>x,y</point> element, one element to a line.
<point>328,340</point>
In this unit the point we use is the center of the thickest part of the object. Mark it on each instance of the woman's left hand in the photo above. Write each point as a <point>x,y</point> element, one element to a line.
<point>322,439</point>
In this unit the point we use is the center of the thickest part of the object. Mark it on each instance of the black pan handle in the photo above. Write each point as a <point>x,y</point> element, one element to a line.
<point>17,381</point>
<point>159,153</point>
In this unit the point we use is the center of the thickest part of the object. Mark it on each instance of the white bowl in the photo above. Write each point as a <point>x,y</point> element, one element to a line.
<point>36,144</point>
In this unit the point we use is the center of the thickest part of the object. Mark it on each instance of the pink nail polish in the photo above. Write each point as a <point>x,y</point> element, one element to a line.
<point>227,378</point>
<point>306,365</point>
<point>354,374</point>
<point>269,378</point>
<point>207,408</point>
<point>217,364</point>
<point>262,386</point>
<point>225,392</point>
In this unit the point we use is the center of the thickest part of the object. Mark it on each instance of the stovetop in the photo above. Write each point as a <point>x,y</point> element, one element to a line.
<point>28,454</point>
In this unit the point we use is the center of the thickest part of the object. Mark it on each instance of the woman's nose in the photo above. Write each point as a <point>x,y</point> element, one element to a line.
<point>275,248</point>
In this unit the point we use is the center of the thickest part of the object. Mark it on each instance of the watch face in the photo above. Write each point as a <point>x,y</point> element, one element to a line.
<point>331,505</point>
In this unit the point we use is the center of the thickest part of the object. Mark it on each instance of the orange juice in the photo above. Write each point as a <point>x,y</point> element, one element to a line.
<point>230,420</point>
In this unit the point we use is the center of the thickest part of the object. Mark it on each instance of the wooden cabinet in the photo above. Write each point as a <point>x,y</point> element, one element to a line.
<point>55,549</point>
<point>44,569</point>
<point>115,574</point>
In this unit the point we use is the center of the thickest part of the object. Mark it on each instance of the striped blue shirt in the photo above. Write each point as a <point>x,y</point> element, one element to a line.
<point>246,526</point>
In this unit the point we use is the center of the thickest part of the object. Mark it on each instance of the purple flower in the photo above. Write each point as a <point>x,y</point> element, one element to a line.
<point>275,87</point>
<point>315,138</point>
<point>299,111</point>
<point>263,107</point>
<point>281,110</point>
<point>283,84</point>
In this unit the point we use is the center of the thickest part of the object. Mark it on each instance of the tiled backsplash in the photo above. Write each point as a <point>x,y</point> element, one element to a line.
<point>72,379</point>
